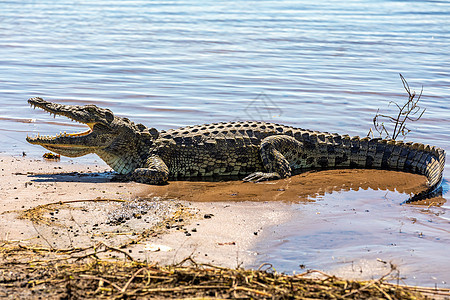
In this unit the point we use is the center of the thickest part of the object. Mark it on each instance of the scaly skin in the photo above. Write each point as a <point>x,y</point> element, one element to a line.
<point>257,150</point>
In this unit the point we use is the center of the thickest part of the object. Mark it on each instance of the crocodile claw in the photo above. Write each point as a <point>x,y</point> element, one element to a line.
<point>261,176</point>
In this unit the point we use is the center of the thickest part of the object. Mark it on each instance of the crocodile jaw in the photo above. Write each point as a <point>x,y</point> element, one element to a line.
<point>64,145</point>
<point>67,144</point>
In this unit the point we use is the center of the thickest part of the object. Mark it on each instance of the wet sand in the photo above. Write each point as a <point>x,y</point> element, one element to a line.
<point>302,187</point>
<point>221,224</point>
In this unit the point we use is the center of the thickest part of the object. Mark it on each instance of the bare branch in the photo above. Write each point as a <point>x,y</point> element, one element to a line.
<point>407,112</point>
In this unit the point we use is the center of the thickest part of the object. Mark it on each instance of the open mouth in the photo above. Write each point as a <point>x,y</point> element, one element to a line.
<point>62,110</point>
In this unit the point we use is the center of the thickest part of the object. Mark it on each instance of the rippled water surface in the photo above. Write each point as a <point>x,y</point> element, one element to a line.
<point>323,65</point>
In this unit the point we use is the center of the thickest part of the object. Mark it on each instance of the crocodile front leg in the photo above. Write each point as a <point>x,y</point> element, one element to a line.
<point>155,172</point>
<point>278,153</point>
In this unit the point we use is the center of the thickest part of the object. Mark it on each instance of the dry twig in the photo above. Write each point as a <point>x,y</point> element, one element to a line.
<point>410,111</point>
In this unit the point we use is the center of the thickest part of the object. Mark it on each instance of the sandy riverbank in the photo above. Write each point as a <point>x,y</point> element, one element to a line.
<point>220,222</point>
<point>223,237</point>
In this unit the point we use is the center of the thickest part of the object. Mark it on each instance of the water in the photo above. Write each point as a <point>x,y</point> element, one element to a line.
<point>358,234</point>
<point>322,65</point>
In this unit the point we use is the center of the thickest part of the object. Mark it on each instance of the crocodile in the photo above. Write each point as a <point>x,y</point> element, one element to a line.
<point>254,150</point>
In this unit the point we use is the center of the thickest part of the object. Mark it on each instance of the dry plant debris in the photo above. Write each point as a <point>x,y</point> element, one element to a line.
<point>36,214</point>
<point>92,278</point>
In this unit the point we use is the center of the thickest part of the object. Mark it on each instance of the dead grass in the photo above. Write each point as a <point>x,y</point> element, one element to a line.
<point>89,277</point>
<point>35,271</point>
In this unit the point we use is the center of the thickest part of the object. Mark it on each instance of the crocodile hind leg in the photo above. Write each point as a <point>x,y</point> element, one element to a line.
<point>278,154</point>
<point>155,172</point>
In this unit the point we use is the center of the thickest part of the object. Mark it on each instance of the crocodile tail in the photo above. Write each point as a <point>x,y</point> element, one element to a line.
<point>409,157</point>
<point>431,164</point>
<point>325,150</point>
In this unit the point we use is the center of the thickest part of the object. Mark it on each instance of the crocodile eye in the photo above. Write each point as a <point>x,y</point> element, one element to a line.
<point>109,116</point>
